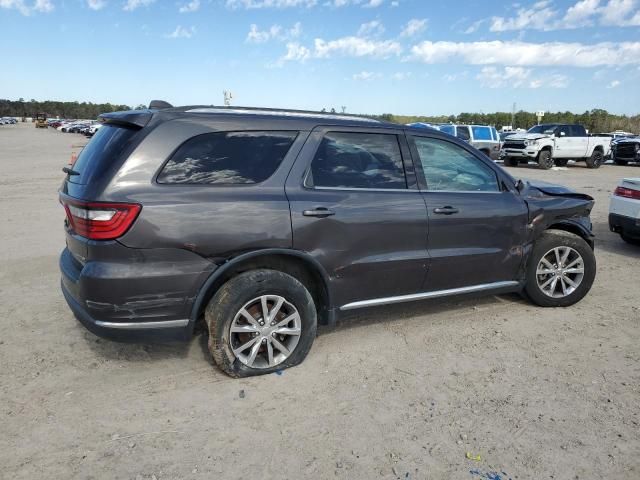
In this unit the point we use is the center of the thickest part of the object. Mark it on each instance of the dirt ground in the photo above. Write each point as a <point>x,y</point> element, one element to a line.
<point>403,392</point>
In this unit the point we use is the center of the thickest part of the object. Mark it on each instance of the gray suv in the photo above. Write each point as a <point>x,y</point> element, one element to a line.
<point>265,223</point>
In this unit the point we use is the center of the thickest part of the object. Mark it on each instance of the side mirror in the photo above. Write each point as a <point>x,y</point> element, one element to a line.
<point>520,185</point>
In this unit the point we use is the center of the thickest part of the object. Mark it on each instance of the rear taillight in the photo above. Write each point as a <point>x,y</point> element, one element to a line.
<point>627,193</point>
<point>99,220</point>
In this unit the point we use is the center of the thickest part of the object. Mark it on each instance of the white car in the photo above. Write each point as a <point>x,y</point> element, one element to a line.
<point>624,210</point>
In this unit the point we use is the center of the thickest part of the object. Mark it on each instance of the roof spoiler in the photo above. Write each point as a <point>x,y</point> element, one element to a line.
<point>131,118</point>
<point>159,105</point>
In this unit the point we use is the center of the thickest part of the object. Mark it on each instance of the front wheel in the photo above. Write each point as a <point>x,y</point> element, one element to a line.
<point>545,161</point>
<point>259,322</point>
<point>595,160</point>
<point>561,269</point>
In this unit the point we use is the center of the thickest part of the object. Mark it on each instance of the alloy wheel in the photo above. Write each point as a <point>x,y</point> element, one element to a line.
<point>560,272</point>
<point>265,331</point>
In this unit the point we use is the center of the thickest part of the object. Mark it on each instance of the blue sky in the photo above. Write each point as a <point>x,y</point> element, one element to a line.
<point>372,56</point>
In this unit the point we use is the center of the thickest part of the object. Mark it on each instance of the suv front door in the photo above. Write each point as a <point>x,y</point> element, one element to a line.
<point>356,208</point>
<point>477,224</point>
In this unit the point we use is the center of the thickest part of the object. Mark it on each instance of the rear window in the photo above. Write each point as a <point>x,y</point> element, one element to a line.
<point>101,151</point>
<point>228,158</point>
<point>481,133</point>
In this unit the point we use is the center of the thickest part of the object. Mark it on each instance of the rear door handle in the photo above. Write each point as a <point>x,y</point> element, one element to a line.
<point>320,212</point>
<point>445,210</point>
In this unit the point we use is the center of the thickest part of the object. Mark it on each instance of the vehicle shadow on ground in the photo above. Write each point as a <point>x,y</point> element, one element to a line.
<point>612,242</point>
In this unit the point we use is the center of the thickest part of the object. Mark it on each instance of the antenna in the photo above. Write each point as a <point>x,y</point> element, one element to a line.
<point>227,95</point>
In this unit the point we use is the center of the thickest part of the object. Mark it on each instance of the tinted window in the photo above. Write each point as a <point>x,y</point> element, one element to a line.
<point>450,129</point>
<point>578,131</point>
<point>227,158</point>
<point>482,133</point>
<point>358,160</point>
<point>463,133</point>
<point>563,129</point>
<point>546,129</point>
<point>448,167</point>
<point>101,151</point>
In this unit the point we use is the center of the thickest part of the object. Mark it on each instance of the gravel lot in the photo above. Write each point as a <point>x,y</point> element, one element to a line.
<point>403,392</point>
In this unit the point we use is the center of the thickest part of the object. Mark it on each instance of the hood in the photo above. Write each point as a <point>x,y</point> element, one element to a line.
<point>554,189</point>
<point>526,136</point>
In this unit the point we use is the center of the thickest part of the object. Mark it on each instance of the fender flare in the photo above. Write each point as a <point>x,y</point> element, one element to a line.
<point>233,261</point>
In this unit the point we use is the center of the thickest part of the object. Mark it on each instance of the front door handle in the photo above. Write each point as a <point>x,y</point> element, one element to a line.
<point>320,212</point>
<point>448,210</point>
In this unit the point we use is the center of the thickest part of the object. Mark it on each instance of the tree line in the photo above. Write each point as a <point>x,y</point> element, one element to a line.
<point>596,120</point>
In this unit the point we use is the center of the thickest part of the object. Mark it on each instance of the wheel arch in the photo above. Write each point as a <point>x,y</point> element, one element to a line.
<point>575,228</point>
<point>299,265</point>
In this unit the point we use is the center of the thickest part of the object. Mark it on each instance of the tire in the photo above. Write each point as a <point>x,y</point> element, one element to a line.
<point>618,161</point>
<point>561,162</point>
<point>545,247</point>
<point>630,240</point>
<point>511,162</point>
<point>239,293</point>
<point>595,160</point>
<point>545,161</point>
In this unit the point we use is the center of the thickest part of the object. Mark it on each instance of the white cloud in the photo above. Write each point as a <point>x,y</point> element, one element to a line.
<point>27,8</point>
<point>452,77</point>
<point>356,47</point>
<point>182,32</point>
<point>192,6</point>
<point>131,5</point>
<point>372,28</point>
<point>275,32</point>
<point>256,4</point>
<point>474,26</point>
<point>295,53</point>
<point>515,53</point>
<point>96,4</point>
<point>365,76</point>
<point>414,27</point>
<point>373,3</point>
<point>542,16</point>
<point>519,77</point>
<point>613,84</point>
<point>401,76</point>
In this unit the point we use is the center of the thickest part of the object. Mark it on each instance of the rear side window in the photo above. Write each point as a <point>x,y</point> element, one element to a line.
<point>481,133</point>
<point>450,129</point>
<point>358,160</point>
<point>228,158</point>
<point>450,168</point>
<point>463,133</point>
<point>101,151</point>
<point>578,131</point>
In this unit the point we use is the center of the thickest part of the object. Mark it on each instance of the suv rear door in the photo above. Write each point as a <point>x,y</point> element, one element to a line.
<point>477,225</point>
<point>356,208</point>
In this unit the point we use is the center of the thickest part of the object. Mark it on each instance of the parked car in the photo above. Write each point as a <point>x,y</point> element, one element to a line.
<point>624,210</point>
<point>554,143</point>
<point>483,137</point>
<point>265,222</point>
<point>625,150</point>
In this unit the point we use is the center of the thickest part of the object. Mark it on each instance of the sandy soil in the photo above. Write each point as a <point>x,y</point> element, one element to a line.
<point>404,392</point>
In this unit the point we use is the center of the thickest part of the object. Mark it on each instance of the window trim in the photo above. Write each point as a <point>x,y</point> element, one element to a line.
<point>323,131</point>
<point>224,185</point>
<point>422,180</point>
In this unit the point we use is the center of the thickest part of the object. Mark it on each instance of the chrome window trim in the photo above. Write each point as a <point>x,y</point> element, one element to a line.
<point>143,325</point>
<point>425,295</point>
<point>356,189</point>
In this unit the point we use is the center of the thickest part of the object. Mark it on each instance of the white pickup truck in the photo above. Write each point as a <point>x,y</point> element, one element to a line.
<point>554,143</point>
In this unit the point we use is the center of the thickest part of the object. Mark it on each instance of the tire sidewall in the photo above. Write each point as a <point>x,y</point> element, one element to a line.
<point>233,295</point>
<point>547,241</point>
<point>595,161</point>
<point>544,160</point>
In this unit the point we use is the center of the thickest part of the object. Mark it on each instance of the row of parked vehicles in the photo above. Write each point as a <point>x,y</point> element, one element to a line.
<point>86,127</point>
<point>8,121</point>
<point>548,145</point>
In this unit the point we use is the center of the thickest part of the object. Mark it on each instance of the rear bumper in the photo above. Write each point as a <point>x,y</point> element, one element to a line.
<point>624,225</point>
<point>148,297</point>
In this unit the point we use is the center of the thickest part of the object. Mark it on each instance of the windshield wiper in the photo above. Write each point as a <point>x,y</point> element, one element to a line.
<point>70,171</point>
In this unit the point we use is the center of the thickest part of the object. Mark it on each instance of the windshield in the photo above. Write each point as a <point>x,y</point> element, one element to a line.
<point>544,129</point>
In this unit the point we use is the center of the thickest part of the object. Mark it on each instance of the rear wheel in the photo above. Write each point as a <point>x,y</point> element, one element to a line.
<point>259,322</point>
<point>561,269</point>
<point>630,240</point>
<point>544,160</point>
<point>595,160</point>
